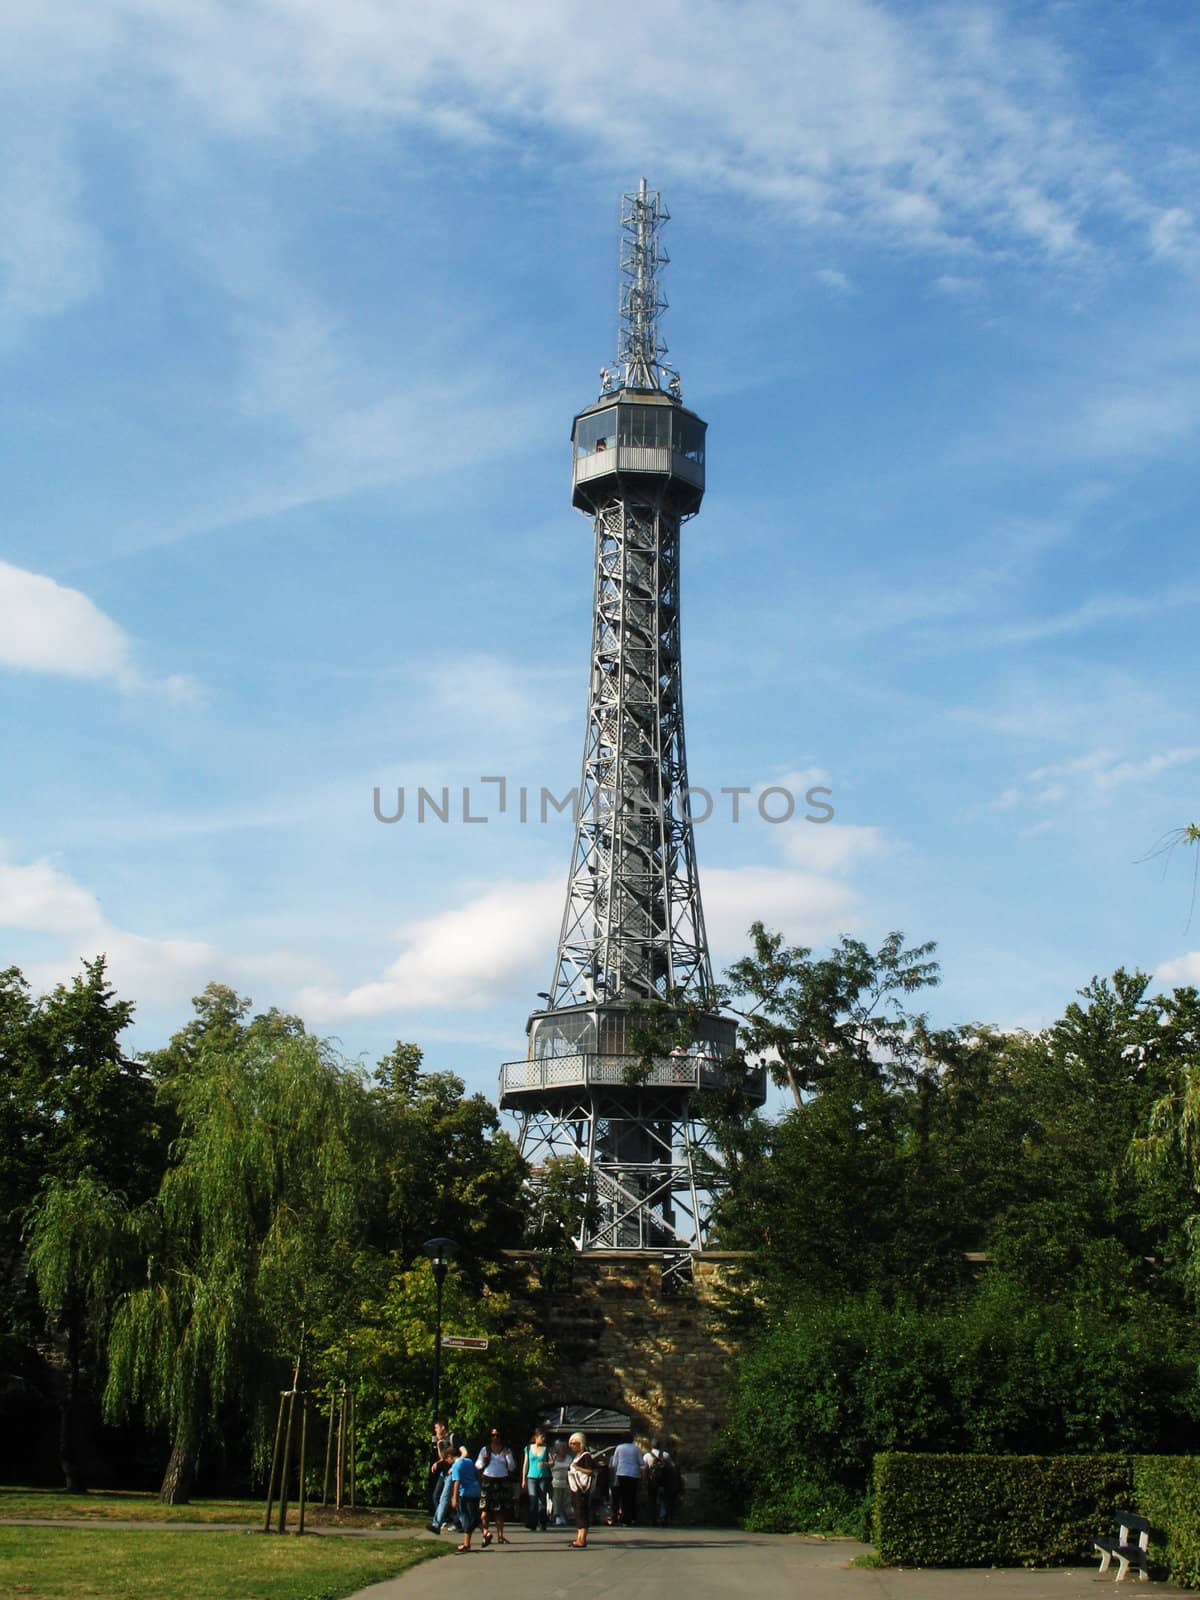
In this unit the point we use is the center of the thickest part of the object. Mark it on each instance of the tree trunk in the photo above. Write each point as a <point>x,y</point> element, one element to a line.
<point>68,1415</point>
<point>176,1487</point>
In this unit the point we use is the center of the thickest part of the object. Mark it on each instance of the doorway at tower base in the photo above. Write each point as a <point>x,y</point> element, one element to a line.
<point>659,1354</point>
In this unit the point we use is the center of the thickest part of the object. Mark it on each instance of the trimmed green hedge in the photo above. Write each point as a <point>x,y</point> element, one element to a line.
<point>1004,1511</point>
<point>983,1511</point>
<point>1166,1490</point>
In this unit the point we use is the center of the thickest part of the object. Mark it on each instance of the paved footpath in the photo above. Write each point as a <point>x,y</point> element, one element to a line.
<point>717,1564</point>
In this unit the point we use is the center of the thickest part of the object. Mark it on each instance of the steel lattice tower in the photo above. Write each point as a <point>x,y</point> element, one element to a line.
<point>633,928</point>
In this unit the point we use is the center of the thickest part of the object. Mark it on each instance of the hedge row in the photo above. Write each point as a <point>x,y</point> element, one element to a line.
<point>1004,1511</point>
<point>1166,1490</point>
<point>972,1511</point>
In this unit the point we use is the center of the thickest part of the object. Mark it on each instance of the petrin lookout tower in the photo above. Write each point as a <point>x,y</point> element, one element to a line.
<point>633,929</point>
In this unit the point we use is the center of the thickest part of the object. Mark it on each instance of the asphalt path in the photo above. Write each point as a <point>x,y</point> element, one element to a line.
<point>716,1564</point>
<point>674,1564</point>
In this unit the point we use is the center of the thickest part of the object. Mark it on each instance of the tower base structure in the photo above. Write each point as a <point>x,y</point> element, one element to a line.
<point>652,1162</point>
<point>664,1359</point>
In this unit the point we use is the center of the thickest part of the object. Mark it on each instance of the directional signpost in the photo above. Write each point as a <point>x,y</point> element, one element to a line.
<point>456,1341</point>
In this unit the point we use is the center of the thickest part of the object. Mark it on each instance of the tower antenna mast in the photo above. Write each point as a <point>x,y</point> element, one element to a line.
<point>641,350</point>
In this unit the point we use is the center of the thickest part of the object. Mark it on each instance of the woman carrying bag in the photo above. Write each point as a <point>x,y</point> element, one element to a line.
<point>581,1477</point>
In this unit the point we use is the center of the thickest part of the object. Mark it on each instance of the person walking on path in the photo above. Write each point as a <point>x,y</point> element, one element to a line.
<point>560,1489</point>
<point>535,1480</point>
<point>445,1490</point>
<point>433,1483</point>
<point>663,1482</point>
<point>498,1466</point>
<point>464,1498</point>
<point>627,1470</point>
<point>581,1476</point>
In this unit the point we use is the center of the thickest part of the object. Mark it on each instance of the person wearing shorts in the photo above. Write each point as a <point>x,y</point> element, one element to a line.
<point>498,1467</point>
<point>464,1498</point>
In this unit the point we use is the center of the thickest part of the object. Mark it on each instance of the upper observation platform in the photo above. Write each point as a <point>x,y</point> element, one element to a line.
<point>638,441</point>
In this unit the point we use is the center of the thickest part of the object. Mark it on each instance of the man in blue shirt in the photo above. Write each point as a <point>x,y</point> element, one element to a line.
<point>627,1471</point>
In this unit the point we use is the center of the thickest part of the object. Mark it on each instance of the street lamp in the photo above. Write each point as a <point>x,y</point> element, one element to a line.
<point>440,1252</point>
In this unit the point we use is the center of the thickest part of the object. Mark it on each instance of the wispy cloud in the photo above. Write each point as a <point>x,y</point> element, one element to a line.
<point>939,127</point>
<point>37,897</point>
<point>1098,773</point>
<point>834,278</point>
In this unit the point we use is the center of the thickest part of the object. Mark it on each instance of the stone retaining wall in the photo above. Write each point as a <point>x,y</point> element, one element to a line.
<point>624,1343</point>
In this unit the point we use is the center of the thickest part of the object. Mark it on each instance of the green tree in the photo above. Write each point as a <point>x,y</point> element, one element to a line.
<point>388,1358</point>
<point>244,1241</point>
<point>91,1131</point>
<point>834,1194</point>
<point>818,1023</point>
<point>447,1169</point>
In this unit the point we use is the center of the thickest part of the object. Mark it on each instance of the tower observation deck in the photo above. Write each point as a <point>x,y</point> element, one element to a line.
<point>633,927</point>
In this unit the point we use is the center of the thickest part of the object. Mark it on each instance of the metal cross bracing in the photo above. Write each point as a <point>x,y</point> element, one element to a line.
<point>633,925</point>
<point>655,1168</point>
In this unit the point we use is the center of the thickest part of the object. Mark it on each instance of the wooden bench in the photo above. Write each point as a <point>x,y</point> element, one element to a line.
<point>1128,1554</point>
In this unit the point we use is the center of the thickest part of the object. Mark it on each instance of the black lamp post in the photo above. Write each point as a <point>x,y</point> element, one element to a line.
<point>440,1252</point>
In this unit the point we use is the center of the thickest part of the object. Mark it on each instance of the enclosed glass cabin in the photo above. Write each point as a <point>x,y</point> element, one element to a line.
<point>638,441</point>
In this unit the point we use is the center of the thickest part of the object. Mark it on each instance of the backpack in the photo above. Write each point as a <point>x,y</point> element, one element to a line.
<point>664,1474</point>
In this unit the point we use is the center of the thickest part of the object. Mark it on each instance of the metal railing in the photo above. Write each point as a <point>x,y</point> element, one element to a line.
<point>585,1068</point>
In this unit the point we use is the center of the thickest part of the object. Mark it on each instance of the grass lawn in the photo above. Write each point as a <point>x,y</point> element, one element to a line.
<point>114,1505</point>
<point>120,1564</point>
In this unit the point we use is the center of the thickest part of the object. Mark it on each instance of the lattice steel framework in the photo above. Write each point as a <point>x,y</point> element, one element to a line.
<point>633,927</point>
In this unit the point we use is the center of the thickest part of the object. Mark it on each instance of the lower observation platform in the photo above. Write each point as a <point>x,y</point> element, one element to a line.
<point>547,1078</point>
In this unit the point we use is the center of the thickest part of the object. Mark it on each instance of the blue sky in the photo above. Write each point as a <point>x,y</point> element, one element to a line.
<point>297,302</point>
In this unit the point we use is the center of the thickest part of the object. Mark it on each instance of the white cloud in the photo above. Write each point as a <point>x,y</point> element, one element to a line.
<point>469,956</point>
<point>1182,972</point>
<point>831,847</point>
<point>834,278</point>
<point>500,942</point>
<point>47,627</point>
<point>807,907</point>
<point>957,285</point>
<point>49,257</point>
<point>38,898</point>
<point>1173,233</point>
<point>477,690</point>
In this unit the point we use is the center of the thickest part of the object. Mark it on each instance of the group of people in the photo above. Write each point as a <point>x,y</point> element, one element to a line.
<point>559,1484</point>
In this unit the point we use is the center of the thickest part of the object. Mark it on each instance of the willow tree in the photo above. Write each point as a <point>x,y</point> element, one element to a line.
<point>241,1243</point>
<point>77,1257</point>
<point>83,1144</point>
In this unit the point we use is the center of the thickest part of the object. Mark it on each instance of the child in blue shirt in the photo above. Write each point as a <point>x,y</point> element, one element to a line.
<point>464,1498</point>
